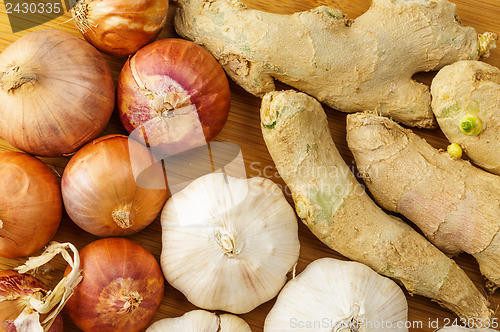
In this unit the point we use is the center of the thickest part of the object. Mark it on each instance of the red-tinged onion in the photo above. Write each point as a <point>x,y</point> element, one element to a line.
<point>30,204</point>
<point>15,292</point>
<point>121,290</point>
<point>120,27</point>
<point>101,189</point>
<point>56,93</point>
<point>175,93</point>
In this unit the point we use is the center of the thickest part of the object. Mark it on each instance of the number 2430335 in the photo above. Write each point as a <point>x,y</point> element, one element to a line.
<point>33,8</point>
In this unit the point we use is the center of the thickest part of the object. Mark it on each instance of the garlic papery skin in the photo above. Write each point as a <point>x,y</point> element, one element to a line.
<point>201,321</point>
<point>228,243</point>
<point>338,296</point>
<point>463,329</point>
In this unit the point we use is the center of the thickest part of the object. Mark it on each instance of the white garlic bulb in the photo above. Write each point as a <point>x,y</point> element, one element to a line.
<point>333,295</point>
<point>201,321</point>
<point>463,329</point>
<point>228,243</point>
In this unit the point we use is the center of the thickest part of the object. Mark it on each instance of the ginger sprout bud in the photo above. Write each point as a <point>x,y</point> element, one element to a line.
<point>471,125</point>
<point>455,151</point>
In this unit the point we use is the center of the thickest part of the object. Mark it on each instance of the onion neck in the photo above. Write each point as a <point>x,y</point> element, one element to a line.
<point>122,218</point>
<point>14,78</point>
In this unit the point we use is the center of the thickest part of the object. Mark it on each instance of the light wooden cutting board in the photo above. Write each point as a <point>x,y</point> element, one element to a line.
<point>243,129</point>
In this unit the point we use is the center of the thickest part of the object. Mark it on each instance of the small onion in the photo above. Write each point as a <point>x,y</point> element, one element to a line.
<point>100,190</point>
<point>121,290</point>
<point>15,291</point>
<point>56,93</point>
<point>120,27</point>
<point>30,204</point>
<point>176,93</point>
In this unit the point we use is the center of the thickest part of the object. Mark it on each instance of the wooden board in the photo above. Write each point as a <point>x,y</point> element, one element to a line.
<point>243,129</point>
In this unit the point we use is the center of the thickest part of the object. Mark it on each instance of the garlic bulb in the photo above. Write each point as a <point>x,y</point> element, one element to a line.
<point>228,243</point>
<point>201,321</point>
<point>338,296</point>
<point>463,329</point>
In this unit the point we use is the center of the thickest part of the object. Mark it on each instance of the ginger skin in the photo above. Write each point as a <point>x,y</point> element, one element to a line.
<point>470,88</point>
<point>456,205</point>
<point>335,207</point>
<point>350,65</point>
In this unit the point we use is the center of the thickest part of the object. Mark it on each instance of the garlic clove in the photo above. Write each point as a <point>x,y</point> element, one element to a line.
<point>228,243</point>
<point>201,321</point>
<point>333,295</point>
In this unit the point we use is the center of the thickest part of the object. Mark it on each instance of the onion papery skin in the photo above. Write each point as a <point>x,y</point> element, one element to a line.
<point>15,291</point>
<point>30,204</point>
<point>120,27</point>
<point>117,274</point>
<point>100,192</point>
<point>56,93</point>
<point>177,92</point>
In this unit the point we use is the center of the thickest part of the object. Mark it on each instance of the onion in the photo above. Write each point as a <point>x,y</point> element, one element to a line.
<point>121,290</point>
<point>15,291</point>
<point>30,204</point>
<point>176,93</point>
<point>120,27</point>
<point>56,93</point>
<point>100,190</point>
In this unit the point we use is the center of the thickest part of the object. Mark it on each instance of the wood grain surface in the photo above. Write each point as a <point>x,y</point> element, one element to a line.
<point>243,129</point>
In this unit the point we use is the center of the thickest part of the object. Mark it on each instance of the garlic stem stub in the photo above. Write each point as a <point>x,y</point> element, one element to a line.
<point>228,243</point>
<point>338,296</point>
<point>201,320</point>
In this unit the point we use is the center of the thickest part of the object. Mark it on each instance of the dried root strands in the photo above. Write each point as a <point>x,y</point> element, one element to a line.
<point>319,51</point>
<point>333,295</point>
<point>466,102</point>
<point>26,304</point>
<point>336,209</point>
<point>455,204</point>
<point>201,320</point>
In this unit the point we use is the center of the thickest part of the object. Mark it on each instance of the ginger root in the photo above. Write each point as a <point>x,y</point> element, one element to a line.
<point>338,211</point>
<point>350,65</point>
<point>456,205</point>
<point>466,102</point>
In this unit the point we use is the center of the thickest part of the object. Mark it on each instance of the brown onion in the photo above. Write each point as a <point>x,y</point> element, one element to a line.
<point>15,291</point>
<point>100,190</point>
<point>121,290</point>
<point>176,93</point>
<point>30,204</point>
<point>120,27</point>
<point>56,93</point>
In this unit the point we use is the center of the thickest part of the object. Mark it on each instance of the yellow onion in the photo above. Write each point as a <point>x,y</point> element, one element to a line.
<point>56,93</point>
<point>120,27</point>
<point>15,292</point>
<point>101,192</point>
<point>121,290</point>
<point>30,204</point>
